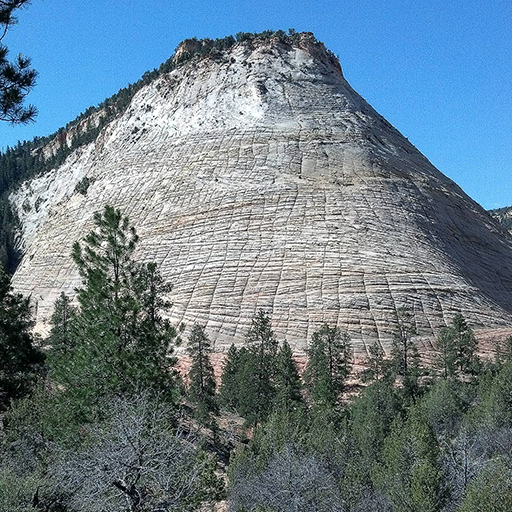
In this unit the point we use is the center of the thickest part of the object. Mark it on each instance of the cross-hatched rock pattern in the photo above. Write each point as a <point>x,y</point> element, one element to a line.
<point>261,179</point>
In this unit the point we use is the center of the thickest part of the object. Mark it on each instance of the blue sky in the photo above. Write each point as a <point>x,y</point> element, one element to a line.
<point>439,71</point>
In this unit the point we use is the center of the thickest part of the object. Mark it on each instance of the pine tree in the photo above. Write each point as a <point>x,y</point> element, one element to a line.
<point>329,365</point>
<point>201,375</point>
<point>122,342</point>
<point>408,473</point>
<point>229,381</point>
<point>16,78</point>
<point>445,359</point>
<point>491,490</point>
<point>316,375</point>
<point>62,335</point>
<point>376,367</point>
<point>465,345</point>
<point>257,371</point>
<point>288,384</point>
<point>20,361</point>
<point>404,352</point>
<point>502,352</point>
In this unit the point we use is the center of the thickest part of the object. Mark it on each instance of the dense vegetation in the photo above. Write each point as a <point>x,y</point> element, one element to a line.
<point>102,420</point>
<point>26,161</point>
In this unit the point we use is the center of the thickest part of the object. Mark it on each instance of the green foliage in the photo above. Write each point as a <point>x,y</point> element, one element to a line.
<point>503,352</point>
<point>61,339</point>
<point>465,344</point>
<point>121,342</point>
<point>83,185</point>
<point>287,381</point>
<point>444,405</point>
<point>329,364</point>
<point>16,494</point>
<point>16,78</point>
<point>20,361</point>
<point>491,491</point>
<point>37,422</point>
<point>376,366</point>
<point>494,400</point>
<point>405,359</point>
<point>408,472</point>
<point>229,379</point>
<point>257,371</point>
<point>201,376</point>
<point>446,357</point>
<point>372,414</point>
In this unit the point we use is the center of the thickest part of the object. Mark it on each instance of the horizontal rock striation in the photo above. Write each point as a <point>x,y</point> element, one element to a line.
<point>261,179</point>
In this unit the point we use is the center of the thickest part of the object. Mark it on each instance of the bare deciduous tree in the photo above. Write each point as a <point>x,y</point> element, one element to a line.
<point>291,481</point>
<point>137,461</point>
<point>465,457</point>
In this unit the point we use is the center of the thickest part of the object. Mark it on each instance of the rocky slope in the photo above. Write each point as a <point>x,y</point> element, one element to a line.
<point>258,178</point>
<point>503,216</point>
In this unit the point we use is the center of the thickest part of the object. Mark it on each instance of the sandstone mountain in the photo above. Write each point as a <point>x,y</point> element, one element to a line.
<point>258,178</point>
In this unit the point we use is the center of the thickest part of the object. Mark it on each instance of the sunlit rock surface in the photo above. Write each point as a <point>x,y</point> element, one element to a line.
<point>261,179</point>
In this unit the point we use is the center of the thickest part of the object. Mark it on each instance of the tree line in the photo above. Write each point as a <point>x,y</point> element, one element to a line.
<point>101,418</point>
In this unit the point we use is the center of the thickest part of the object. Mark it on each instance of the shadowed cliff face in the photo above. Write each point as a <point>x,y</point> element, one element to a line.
<point>261,179</point>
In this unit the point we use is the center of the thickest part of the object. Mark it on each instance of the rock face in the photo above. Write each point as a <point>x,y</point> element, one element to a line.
<point>261,179</point>
<point>503,216</point>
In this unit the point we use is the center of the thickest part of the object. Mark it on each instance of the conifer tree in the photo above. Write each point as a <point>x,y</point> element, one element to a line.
<point>201,376</point>
<point>502,352</point>
<point>16,78</point>
<point>20,361</point>
<point>257,371</point>
<point>376,367</point>
<point>404,352</point>
<point>288,384</point>
<point>62,335</point>
<point>408,473</point>
<point>446,356</point>
<point>465,344</point>
<point>329,365</point>
<point>316,376</point>
<point>229,379</point>
<point>122,342</point>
